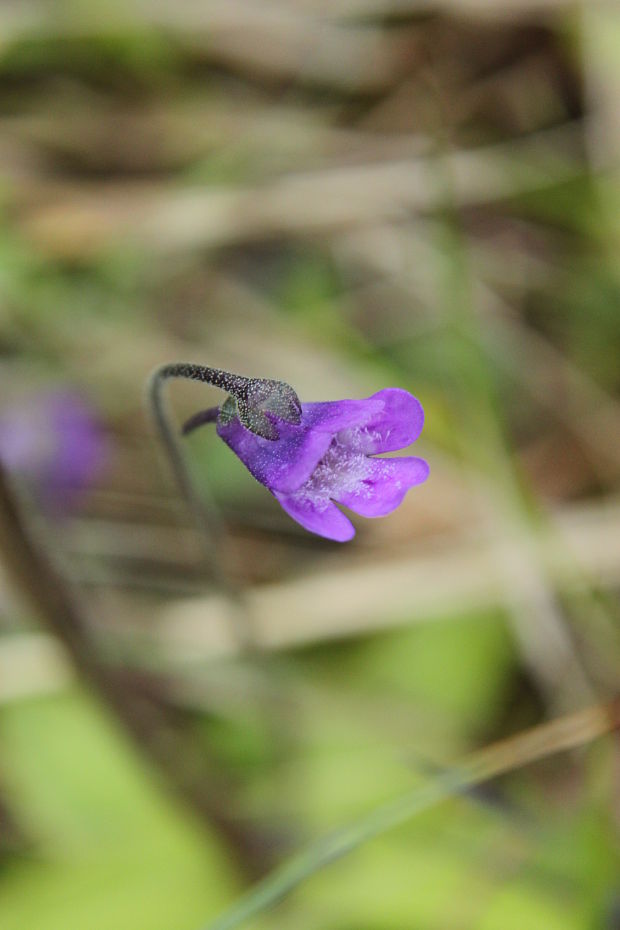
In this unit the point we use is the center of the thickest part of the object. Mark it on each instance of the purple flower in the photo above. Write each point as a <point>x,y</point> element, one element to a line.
<point>329,457</point>
<point>55,441</point>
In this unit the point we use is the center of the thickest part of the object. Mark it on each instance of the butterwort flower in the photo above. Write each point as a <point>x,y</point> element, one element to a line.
<point>331,457</point>
<point>56,442</point>
<point>310,456</point>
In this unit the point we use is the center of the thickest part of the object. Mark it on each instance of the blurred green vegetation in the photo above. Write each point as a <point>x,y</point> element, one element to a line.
<point>111,851</point>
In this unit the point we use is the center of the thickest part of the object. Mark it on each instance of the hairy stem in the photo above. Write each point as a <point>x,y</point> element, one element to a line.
<point>207,523</point>
<point>237,385</point>
<point>206,519</point>
<point>255,397</point>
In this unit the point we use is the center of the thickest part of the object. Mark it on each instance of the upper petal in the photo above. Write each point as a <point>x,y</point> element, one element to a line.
<point>385,485</point>
<point>283,464</point>
<point>286,463</point>
<point>335,415</point>
<point>396,424</point>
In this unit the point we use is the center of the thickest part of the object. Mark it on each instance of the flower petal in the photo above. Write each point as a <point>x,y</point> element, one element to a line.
<point>322,518</point>
<point>331,416</point>
<point>286,463</point>
<point>385,487</point>
<point>397,424</point>
<point>283,464</point>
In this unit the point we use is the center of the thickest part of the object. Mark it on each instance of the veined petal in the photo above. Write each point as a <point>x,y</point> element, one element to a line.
<point>322,517</point>
<point>396,425</point>
<point>385,486</point>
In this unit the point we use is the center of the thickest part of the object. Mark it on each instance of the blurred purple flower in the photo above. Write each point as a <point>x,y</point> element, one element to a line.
<point>56,442</point>
<point>328,457</point>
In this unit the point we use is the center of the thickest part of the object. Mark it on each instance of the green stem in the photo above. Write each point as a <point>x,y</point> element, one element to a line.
<point>168,436</point>
<point>210,528</point>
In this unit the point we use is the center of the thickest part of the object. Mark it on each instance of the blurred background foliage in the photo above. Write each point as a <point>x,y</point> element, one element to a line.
<point>343,195</point>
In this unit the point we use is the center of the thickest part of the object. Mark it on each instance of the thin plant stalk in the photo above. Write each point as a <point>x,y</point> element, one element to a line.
<point>565,733</point>
<point>212,532</point>
<point>207,521</point>
<point>211,529</point>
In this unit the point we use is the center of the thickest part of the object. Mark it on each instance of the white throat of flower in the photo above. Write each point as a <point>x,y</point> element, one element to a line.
<point>342,470</point>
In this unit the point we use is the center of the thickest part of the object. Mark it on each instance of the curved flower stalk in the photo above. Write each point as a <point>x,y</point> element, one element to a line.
<point>258,402</point>
<point>327,455</point>
<point>261,406</point>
